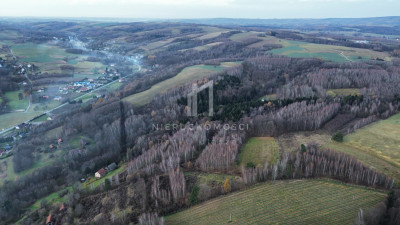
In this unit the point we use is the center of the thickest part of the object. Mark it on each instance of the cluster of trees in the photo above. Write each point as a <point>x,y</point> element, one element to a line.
<point>385,212</point>
<point>182,147</point>
<point>20,194</point>
<point>23,157</point>
<point>297,116</point>
<point>221,153</point>
<point>315,162</point>
<point>151,218</point>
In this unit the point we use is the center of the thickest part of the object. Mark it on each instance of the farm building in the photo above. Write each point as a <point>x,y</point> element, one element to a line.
<point>111,167</point>
<point>100,173</point>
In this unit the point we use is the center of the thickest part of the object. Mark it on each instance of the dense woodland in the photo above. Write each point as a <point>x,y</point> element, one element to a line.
<point>157,159</point>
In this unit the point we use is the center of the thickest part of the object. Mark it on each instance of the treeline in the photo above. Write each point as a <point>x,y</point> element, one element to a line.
<point>314,162</point>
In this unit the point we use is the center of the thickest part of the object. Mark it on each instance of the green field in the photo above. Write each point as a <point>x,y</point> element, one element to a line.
<point>39,53</point>
<point>13,101</point>
<point>41,119</point>
<point>187,75</point>
<point>343,92</point>
<point>304,49</point>
<point>259,150</point>
<point>210,178</point>
<point>326,52</point>
<point>284,202</point>
<point>50,57</point>
<point>381,138</point>
<point>11,119</point>
<point>7,170</point>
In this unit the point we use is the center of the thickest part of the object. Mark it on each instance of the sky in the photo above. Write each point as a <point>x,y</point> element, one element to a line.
<point>179,9</point>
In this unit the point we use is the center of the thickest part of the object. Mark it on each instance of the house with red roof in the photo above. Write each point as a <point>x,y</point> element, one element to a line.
<point>101,173</point>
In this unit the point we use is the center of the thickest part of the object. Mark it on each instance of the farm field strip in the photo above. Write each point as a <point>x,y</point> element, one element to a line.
<point>284,202</point>
<point>188,74</point>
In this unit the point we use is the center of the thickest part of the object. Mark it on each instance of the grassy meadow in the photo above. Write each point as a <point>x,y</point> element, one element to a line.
<point>14,102</point>
<point>51,199</point>
<point>381,138</point>
<point>258,151</point>
<point>10,119</point>
<point>284,202</point>
<point>304,49</point>
<point>326,52</point>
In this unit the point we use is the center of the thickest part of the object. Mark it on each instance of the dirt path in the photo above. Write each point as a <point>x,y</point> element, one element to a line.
<point>344,56</point>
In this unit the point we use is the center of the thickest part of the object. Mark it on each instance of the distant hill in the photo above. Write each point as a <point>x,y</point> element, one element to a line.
<point>373,21</point>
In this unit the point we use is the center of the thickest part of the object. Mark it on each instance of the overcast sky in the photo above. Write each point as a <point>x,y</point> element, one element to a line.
<point>265,9</point>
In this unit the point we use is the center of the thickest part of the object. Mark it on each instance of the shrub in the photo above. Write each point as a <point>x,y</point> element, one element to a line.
<point>194,195</point>
<point>227,186</point>
<point>107,184</point>
<point>338,137</point>
<point>250,165</point>
<point>303,148</point>
<point>62,193</point>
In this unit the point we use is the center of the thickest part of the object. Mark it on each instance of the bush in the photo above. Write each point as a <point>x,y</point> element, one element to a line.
<point>194,195</point>
<point>62,193</point>
<point>303,148</point>
<point>107,184</point>
<point>227,186</point>
<point>338,137</point>
<point>250,165</point>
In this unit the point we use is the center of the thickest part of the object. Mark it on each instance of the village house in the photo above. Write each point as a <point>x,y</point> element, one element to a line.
<point>81,84</point>
<point>57,98</point>
<point>101,173</point>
